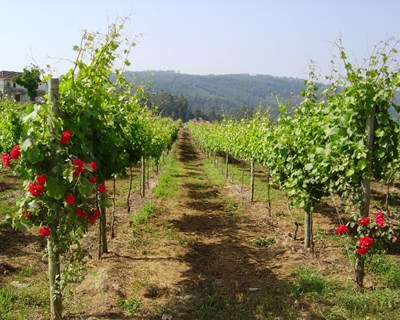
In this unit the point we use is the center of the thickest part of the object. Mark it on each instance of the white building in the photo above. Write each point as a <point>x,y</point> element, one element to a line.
<point>10,90</point>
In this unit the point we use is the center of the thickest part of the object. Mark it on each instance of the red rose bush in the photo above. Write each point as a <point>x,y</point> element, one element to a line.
<point>60,188</point>
<point>370,234</point>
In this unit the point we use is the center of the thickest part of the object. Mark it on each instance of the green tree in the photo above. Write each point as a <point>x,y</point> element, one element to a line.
<point>29,79</point>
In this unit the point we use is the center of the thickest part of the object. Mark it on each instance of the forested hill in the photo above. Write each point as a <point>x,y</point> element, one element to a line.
<point>222,93</point>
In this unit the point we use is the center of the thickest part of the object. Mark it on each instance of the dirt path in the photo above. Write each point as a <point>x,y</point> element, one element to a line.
<point>198,258</point>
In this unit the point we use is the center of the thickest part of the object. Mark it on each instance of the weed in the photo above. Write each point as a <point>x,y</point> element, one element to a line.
<point>231,205</point>
<point>7,208</point>
<point>387,269</point>
<point>168,181</point>
<point>26,271</point>
<point>144,213</point>
<point>154,291</point>
<point>138,242</point>
<point>214,174</point>
<point>309,281</point>
<point>166,187</point>
<point>7,298</point>
<point>131,305</point>
<point>139,284</point>
<point>263,242</point>
<point>359,303</point>
<point>171,232</point>
<point>220,307</point>
<point>19,304</point>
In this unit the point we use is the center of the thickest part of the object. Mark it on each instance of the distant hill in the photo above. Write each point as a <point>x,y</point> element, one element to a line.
<point>222,93</point>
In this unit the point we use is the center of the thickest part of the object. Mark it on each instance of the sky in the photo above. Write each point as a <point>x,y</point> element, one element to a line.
<point>275,37</point>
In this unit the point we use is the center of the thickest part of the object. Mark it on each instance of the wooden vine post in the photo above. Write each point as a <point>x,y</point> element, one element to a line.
<point>143,178</point>
<point>308,233</point>
<point>269,193</point>
<point>366,189</point>
<point>112,224</point>
<point>251,180</point>
<point>366,181</point>
<point>53,247</point>
<point>128,202</point>
<point>226,165</point>
<point>103,248</point>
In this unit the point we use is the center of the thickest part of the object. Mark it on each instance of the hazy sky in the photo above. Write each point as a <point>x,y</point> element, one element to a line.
<point>276,37</point>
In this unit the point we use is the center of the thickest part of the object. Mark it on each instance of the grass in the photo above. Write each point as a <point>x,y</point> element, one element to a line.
<point>214,174</point>
<point>387,270</point>
<point>218,305</point>
<point>231,205</point>
<point>7,208</point>
<point>9,191</point>
<point>167,186</point>
<point>144,214</point>
<point>331,298</point>
<point>378,303</point>
<point>218,302</point>
<point>171,232</point>
<point>131,305</point>
<point>26,271</point>
<point>308,281</point>
<point>263,242</point>
<point>23,303</point>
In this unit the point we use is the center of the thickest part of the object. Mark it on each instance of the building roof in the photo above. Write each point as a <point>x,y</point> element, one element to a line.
<point>8,75</point>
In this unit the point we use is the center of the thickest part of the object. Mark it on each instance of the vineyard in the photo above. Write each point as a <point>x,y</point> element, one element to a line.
<point>117,213</point>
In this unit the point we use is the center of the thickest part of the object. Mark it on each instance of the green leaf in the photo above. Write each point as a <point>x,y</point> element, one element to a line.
<point>85,187</point>
<point>21,226</point>
<point>308,166</point>
<point>379,133</point>
<point>33,154</point>
<point>26,144</point>
<point>332,131</point>
<point>55,189</point>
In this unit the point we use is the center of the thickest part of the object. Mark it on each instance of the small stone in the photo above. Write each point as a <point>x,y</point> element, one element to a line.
<point>19,285</point>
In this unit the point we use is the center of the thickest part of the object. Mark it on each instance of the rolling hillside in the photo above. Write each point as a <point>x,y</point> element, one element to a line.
<point>222,93</point>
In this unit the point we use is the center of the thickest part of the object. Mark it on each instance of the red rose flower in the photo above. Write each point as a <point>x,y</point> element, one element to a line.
<point>45,231</point>
<point>78,163</point>
<point>362,250</point>
<point>80,213</point>
<point>93,165</point>
<point>364,221</point>
<point>70,199</point>
<point>79,167</point>
<point>66,136</point>
<point>366,242</point>
<point>94,214</point>
<point>92,179</point>
<point>26,215</point>
<point>41,179</point>
<point>380,220</point>
<point>35,189</point>
<point>6,160</point>
<point>102,187</point>
<point>15,152</point>
<point>341,228</point>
